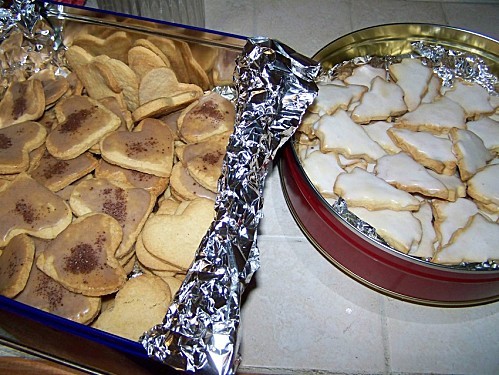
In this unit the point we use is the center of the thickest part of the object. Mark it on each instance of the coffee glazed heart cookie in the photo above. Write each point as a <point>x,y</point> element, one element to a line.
<point>44,293</point>
<point>82,123</point>
<point>82,258</point>
<point>26,206</point>
<point>129,206</point>
<point>15,263</point>
<point>16,142</point>
<point>153,184</point>
<point>23,101</point>
<point>211,115</point>
<point>203,160</point>
<point>56,174</point>
<point>148,149</point>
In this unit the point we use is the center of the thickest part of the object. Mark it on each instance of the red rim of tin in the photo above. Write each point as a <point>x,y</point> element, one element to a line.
<point>374,265</point>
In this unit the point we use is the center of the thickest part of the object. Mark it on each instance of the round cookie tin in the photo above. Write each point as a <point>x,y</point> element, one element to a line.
<point>373,264</point>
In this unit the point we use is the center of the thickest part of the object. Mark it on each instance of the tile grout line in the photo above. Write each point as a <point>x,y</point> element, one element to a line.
<point>385,339</point>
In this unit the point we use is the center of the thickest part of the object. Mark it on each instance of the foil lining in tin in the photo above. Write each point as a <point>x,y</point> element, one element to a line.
<point>38,47</point>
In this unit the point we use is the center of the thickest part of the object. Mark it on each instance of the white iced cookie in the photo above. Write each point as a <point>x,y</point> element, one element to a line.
<point>322,170</point>
<point>307,124</point>
<point>476,242</point>
<point>340,134</point>
<point>456,187</point>
<point>403,172</point>
<point>362,189</point>
<point>413,77</point>
<point>349,164</point>
<point>437,117</point>
<point>471,153</point>
<point>364,74</point>
<point>377,131</point>
<point>430,151</point>
<point>305,149</point>
<point>484,187</point>
<point>488,131</point>
<point>400,229</point>
<point>433,91</point>
<point>494,102</point>
<point>426,246</point>
<point>471,96</point>
<point>383,100</point>
<point>451,216</point>
<point>333,97</point>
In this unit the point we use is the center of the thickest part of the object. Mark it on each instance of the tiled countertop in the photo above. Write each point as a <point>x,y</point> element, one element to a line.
<point>305,316</point>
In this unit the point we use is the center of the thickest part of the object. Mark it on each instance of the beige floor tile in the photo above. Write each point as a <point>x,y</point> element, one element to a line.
<point>306,314</point>
<point>442,340</point>
<point>277,219</point>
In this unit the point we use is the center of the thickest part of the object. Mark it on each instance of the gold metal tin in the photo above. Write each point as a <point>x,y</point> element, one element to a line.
<point>396,39</point>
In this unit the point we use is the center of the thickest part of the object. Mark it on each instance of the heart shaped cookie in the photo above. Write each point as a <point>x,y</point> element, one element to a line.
<point>148,149</point>
<point>81,258</point>
<point>23,101</point>
<point>140,304</point>
<point>175,238</point>
<point>44,293</point>
<point>82,123</point>
<point>15,263</point>
<point>129,206</point>
<point>16,142</point>
<point>26,206</point>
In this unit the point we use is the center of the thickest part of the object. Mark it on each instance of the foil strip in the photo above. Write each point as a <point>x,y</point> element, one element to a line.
<point>274,86</point>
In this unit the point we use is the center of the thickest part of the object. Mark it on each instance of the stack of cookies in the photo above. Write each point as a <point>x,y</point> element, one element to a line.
<point>108,176</point>
<point>417,161</point>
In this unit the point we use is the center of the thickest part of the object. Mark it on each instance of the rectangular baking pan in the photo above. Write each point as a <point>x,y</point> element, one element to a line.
<point>49,336</point>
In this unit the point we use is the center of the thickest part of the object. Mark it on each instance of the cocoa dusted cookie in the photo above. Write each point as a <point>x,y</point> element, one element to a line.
<point>26,206</point>
<point>183,186</point>
<point>56,174</point>
<point>148,149</point>
<point>211,115</point>
<point>16,142</point>
<point>16,260</point>
<point>129,206</point>
<point>45,293</point>
<point>23,101</point>
<point>154,184</point>
<point>203,160</point>
<point>82,122</point>
<point>82,257</point>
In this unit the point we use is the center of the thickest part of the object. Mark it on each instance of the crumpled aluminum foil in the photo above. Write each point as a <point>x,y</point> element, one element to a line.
<point>274,87</point>
<point>449,64</point>
<point>39,46</point>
